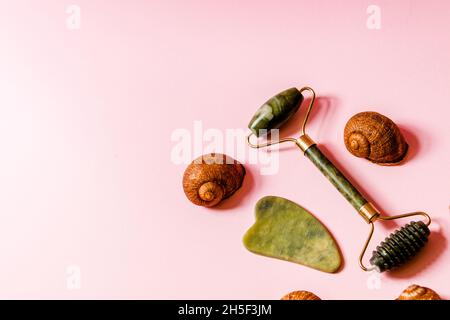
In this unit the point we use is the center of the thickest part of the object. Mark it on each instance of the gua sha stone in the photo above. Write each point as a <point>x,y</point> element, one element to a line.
<point>286,231</point>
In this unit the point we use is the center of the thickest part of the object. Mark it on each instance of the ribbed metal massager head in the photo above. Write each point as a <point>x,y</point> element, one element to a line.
<point>400,246</point>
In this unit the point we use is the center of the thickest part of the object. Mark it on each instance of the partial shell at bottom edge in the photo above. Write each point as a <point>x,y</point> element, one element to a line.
<point>300,295</point>
<point>415,292</point>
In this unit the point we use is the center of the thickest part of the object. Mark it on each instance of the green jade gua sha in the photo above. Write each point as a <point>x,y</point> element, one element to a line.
<point>396,249</point>
<point>286,231</point>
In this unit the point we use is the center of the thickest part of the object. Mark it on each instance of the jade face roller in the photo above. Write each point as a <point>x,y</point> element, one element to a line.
<point>396,249</point>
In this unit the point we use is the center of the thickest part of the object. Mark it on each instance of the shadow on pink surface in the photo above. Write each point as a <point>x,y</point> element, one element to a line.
<point>416,147</point>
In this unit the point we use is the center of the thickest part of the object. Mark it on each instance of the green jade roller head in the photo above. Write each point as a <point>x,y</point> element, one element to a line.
<point>398,247</point>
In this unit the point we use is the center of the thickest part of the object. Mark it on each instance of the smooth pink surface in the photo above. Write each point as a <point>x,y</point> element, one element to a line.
<point>86,118</point>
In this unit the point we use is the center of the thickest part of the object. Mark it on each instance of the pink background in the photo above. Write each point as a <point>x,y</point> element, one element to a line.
<point>86,117</point>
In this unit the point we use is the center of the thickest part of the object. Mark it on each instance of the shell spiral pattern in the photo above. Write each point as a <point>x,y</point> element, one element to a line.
<point>212,178</point>
<point>375,137</point>
<point>415,292</point>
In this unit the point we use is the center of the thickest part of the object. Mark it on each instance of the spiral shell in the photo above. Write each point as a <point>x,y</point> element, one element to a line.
<point>300,295</point>
<point>415,292</point>
<point>375,137</point>
<point>211,178</point>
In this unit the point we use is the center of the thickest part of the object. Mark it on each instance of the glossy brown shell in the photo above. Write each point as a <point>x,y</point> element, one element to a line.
<point>375,137</point>
<point>415,292</point>
<point>300,295</point>
<point>211,178</point>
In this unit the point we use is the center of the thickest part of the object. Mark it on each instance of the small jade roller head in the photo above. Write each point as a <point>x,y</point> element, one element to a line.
<point>276,111</point>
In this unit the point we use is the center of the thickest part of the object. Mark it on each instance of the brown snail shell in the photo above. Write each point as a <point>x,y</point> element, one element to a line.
<point>415,292</point>
<point>211,178</point>
<point>375,137</point>
<point>300,295</point>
